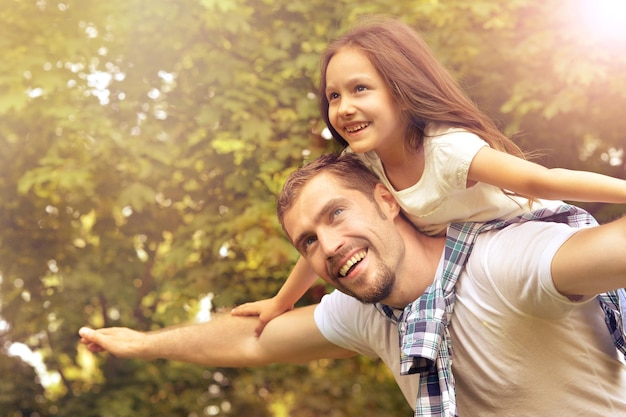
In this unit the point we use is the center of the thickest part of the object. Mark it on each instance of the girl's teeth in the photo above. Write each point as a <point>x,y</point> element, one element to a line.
<point>353,129</point>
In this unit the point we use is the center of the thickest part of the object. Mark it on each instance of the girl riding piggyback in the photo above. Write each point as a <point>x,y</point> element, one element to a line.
<point>385,97</point>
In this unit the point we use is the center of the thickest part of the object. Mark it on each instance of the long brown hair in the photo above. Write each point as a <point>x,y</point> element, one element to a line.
<point>417,80</point>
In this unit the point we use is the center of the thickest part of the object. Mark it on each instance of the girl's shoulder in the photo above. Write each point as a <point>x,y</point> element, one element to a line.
<point>439,129</point>
<point>452,138</point>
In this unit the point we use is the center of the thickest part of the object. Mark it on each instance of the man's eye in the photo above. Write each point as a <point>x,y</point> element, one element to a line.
<point>309,241</point>
<point>337,212</point>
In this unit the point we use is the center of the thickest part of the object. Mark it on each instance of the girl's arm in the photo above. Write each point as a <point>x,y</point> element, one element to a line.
<point>529,179</point>
<point>300,280</point>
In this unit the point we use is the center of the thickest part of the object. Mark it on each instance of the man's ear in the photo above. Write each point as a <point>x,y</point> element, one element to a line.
<point>386,200</point>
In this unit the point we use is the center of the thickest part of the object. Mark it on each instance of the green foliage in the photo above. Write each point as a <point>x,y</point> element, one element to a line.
<point>143,144</point>
<point>19,388</point>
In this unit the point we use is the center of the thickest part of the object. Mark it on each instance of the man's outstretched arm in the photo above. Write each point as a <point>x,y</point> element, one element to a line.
<point>226,341</point>
<point>592,261</point>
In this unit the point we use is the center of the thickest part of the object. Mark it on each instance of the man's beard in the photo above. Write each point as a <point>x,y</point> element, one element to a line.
<point>381,287</point>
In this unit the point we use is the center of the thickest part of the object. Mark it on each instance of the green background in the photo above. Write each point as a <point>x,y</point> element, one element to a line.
<point>142,144</point>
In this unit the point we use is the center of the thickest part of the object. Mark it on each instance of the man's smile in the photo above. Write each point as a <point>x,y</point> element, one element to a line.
<point>350,263</point>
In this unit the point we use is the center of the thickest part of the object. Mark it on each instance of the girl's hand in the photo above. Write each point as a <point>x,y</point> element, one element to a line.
<point>267,310</point>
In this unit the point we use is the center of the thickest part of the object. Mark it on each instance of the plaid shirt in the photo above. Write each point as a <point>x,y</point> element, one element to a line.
<point>425,345</point>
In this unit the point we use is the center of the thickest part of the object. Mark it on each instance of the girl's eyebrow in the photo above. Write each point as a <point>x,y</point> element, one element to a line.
<point>356,79</point>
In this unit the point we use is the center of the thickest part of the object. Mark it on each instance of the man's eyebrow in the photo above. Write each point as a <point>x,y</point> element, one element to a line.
<point>329,206</point>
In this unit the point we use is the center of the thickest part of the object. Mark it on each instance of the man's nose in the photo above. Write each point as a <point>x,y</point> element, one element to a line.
<point>330,241</point>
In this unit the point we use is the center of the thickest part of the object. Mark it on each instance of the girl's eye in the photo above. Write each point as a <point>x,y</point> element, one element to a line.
<point>332,96</point>
<point>360,88</point>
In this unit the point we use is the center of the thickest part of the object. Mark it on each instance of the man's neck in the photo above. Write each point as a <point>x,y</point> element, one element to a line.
<point>418,269</point>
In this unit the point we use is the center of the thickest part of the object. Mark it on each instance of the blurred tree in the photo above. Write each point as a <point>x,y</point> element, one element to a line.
<point>142,147</point>
<point>20,389</point>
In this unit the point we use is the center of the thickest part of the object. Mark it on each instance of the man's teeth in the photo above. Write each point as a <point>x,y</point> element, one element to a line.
<point>351,262</point>
<point>353,129</point>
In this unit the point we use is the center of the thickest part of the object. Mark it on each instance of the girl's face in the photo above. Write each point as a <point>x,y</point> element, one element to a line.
<point>361,107</point>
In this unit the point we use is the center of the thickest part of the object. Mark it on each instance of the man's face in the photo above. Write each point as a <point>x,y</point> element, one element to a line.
<point>348,239</point>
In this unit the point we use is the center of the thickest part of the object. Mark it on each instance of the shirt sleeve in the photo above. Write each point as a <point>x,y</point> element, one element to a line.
<point>516,265</point>
<point>451,154</point>
<point>349,324</point>
<point>361,328</point>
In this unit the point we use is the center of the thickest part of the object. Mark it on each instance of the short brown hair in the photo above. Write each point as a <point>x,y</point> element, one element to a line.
<point>347,168</point>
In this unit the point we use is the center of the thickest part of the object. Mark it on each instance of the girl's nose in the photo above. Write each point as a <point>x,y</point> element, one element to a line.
<point>346,108</point>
